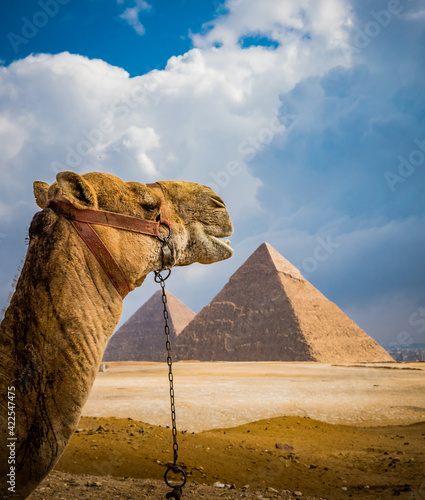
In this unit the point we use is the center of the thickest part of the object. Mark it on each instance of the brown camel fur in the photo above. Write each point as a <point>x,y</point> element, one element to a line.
<point>64,309</point>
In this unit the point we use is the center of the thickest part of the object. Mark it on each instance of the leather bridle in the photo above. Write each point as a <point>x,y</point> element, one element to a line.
<point>82,220</point>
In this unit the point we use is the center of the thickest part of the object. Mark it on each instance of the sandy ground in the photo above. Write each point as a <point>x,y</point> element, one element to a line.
<point>211,395</point>
<point>63,486</point>
<point>284,457</point>
<point>272,430</point>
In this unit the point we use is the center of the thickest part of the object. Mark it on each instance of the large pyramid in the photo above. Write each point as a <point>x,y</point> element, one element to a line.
<point>142,337</point>
<point>269,312</point>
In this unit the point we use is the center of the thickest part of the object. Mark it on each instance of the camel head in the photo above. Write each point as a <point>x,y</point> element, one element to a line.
<point>197,216</point>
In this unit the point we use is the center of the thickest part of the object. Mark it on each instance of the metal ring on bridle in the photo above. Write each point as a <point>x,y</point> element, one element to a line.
<point>164,240</point>
<point>158,278</point>
<point>176,469</point>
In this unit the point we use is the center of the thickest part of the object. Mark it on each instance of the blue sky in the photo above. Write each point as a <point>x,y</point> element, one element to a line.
<point>307,117</point>
<point>96,29</point>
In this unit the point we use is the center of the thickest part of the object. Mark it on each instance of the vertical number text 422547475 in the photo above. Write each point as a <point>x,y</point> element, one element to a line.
<point>11,424</point>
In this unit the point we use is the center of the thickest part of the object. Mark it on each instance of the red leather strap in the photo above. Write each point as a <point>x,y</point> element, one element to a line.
<point>103,256</point>
<point>104,218</point>
<point>81,219</point>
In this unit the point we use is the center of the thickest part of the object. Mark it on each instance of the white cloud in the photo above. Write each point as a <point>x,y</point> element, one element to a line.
<point>287,22</point>
<point>209,110</point>
<point>12,137</point>
<point>5,213</point>
<point>131,15</point>
<point>211,116</point>
<point>204,118</point>
<point>132,148</point>
<point>418,15</point>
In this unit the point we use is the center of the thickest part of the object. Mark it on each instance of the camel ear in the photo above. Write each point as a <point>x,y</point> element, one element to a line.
<point>75,189</point>
<point>40,189</point>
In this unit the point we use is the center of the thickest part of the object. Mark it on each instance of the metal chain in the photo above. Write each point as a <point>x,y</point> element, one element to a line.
<point>175,468</point>
<point>170,370</point>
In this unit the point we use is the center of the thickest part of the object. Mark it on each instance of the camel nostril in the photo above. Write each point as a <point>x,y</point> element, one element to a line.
<point>217,201</point>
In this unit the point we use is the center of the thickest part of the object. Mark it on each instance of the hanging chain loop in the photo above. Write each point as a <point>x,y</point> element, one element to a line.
<point>174,468</point>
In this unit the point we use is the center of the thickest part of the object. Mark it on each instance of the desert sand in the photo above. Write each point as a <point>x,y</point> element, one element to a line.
<point>212,395</point>
<point>342,432</point>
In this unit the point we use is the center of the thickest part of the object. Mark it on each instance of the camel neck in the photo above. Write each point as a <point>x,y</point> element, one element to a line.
<point>67,306</point>
<point>52,339</point>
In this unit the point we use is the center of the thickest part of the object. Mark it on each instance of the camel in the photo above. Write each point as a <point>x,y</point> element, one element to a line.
<point>65,307</point>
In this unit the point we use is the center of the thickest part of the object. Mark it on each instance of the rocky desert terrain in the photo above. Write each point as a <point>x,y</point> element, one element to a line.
<point>250,430</point>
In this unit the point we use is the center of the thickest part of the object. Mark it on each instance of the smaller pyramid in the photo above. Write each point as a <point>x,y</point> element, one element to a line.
<point>142,337</point>
<point>269,312</point>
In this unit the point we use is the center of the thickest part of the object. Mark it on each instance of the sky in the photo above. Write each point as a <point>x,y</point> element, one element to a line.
<point>306,116</point>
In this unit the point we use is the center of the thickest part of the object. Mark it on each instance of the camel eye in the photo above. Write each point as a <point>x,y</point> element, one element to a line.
<point>150,207</point>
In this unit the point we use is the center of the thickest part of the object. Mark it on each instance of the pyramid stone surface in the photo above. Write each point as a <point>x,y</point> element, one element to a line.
<point>142,337</point>
<point>269,312</point>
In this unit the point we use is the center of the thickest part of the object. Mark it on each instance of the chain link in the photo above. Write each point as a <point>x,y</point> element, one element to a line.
<point>177,488</point>
<point>159,279</point>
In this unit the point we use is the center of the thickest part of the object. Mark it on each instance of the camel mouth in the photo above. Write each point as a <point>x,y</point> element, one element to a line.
<point>224,244</point>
